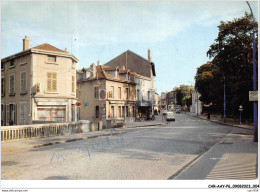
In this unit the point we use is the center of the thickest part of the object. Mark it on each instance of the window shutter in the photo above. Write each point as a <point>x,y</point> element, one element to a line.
<point>23,82</point>
<point>11,84</point>
<point>54,82</point>
<point>73,84</point>
<point>22,114</point>
<point>48,81</point>
<point>15,119</point>
<point>7,114</point>
<point>25,113</point>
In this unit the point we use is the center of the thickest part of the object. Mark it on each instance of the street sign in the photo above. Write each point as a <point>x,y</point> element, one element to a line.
<point>102,94</point>
<point>78,104</point>
<point>253,95</point>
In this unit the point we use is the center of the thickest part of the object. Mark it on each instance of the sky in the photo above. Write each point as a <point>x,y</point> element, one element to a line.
<point>178,33</point>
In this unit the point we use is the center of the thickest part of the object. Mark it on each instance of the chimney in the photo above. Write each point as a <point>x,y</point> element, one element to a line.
<point>25,43</point>
<point>66,50</point>
<point>149,55</point>
<point>93,70</point>
<point>98,62</point>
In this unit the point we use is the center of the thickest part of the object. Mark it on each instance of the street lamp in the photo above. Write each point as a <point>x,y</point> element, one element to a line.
<point>254,78</point>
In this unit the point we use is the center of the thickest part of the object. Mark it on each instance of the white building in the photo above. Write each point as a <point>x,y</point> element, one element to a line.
<point>196,106</point>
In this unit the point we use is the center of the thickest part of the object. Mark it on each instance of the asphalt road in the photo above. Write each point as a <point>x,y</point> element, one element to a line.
<point>142,153</point>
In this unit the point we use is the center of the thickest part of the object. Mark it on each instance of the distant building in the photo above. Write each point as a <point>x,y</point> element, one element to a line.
<point>163,101</point>
<point>196,106</point>
<point>38,84</point>
<point>145,73</point>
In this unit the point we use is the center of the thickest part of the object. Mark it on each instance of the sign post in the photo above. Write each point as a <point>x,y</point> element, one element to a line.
<point>102,97</point>
<point>240,110</point>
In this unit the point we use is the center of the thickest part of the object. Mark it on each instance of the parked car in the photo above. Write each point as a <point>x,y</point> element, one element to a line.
<point>170,116</point>
<point>164,112</point>
<point>177,111</point>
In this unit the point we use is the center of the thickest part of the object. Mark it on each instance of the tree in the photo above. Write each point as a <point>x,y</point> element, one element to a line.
<point>231,54</point>
<point>183,95</point>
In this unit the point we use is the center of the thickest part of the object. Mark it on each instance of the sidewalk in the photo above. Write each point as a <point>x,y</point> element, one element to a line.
<point>18,145</point>
<point>233,157</point>
<point>229,122</point>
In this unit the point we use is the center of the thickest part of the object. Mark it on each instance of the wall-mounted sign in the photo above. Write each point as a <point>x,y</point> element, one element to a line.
<point>102,94</point>
<point>253,95</point>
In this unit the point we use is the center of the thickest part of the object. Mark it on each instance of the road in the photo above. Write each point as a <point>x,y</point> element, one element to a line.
<point>159,152</point>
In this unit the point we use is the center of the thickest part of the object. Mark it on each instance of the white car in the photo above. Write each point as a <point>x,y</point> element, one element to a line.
<point>170,116</point>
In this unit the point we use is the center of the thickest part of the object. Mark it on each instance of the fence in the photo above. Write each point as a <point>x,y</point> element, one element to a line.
<point>10,133</point>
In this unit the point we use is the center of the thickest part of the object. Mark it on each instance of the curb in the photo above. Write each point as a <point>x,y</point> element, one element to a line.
<point>215,121</point>
<point>145,125</point>
<point>77,139</point>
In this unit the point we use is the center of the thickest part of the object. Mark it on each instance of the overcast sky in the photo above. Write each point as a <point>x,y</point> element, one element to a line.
<point>177,33</point>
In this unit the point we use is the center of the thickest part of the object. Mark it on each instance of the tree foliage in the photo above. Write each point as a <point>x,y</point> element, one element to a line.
<point>232,59</point>
<point>183,95</point>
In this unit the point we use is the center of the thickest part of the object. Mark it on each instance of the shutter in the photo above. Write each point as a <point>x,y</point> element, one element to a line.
<point>7,114</point>
<point>54,82</point>
<point>22,82</point>
<point>22,114</point>
<point>4,115</point>
<point>48,81</point>
<point>73,84</point>
<point>15,118</point>
<point>25,113</point>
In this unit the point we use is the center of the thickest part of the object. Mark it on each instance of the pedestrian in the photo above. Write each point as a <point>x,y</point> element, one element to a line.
<point>208,115</point>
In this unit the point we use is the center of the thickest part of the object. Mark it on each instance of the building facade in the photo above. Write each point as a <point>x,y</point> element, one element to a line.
<point>144,73</point>
<point>107,93</point>
<point>38,85</point>
<point>196,106</point>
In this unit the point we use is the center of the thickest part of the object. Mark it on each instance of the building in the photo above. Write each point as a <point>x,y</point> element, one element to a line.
<point>163,101</point>
<point>38,84</point>
<point>144,70</point>
<point>156,106</point>
<point>119,102</point>
<point>196,106</point>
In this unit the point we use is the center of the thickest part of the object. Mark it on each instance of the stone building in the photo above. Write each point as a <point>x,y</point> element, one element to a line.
<point>38,84</point>
<point>144,78</point>
<point>106,92</point>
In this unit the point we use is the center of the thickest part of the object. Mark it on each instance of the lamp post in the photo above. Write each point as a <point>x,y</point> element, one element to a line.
<point>254,78</point>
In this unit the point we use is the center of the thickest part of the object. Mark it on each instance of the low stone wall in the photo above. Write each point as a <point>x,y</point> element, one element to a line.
<point>10,133</point>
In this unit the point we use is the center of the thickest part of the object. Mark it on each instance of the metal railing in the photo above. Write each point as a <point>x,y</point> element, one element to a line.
<point>10,133</point>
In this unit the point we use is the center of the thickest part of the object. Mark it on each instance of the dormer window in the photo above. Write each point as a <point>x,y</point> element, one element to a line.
<point>51,59</point>
<point>11,63</point>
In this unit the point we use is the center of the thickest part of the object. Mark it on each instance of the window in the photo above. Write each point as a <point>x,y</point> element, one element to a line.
<point>133,111</point>
<point>51,58</point>
<point>3,115</point>
<point>127,111</point>
<point>2,86</point>
<point>127,93</point>
<point>119,112</point>
<point>11,63</point>
<point>96,92</point>
<point>23,59</point>
<point>52,81</point>
<point>73,84</point>
<point>11,85</point>
<point>11,114</point>
<point>2,66</point>
<point>97,111</point>
<point>23,82</point>
<point>111,92</point>
<point>112,112</point>
<point>119,92</point>
<point>137,94</point>
<point>148,95</point>
<point>23,113</point>
<point>123,111</point>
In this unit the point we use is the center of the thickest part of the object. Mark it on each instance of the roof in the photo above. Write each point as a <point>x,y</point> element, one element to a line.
<point>133,62</point>
<point>48,47</point>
